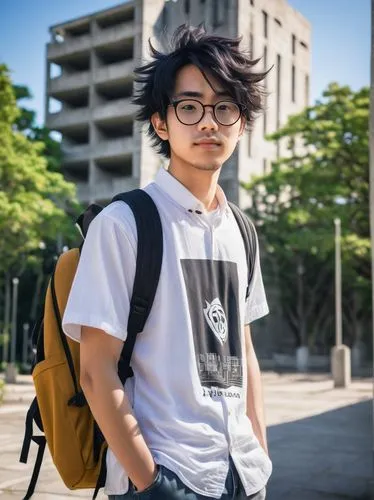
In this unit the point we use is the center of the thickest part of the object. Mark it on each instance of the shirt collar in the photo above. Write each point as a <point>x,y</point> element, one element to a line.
<point>183,197</point>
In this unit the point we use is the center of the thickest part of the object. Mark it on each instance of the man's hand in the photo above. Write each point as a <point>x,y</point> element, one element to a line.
<point>142,487</point>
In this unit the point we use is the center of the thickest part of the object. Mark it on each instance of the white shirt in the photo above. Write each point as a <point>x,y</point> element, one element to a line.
<point>189,387</point>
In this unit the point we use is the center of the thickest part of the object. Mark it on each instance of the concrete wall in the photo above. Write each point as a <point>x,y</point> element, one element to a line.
<point>255,152</point>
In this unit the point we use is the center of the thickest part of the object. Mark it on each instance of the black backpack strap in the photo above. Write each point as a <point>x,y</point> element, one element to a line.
<point>85,219</point>
<point>78,399</point>
<point>28,431</point>
<point>147,275</point>
<point>148,268</point>
<point>33,415</point>
<point>102,474</point>
<point>36,329</point>
<point>248,232</point>
<point>41,442</point>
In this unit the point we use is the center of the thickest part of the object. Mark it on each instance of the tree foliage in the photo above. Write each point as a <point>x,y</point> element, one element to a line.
<point>324,176</point>
<point>26,123</point>
<point>34,200</point>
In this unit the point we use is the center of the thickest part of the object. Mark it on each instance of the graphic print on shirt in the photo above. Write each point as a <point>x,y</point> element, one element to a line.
<point>216,318</point>
<point>212,290</point>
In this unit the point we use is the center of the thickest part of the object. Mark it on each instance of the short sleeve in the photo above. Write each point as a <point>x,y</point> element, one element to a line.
<point>256,305</point>
<point>102,286</point>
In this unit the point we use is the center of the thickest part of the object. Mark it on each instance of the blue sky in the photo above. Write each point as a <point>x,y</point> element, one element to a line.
<point>340,40</point>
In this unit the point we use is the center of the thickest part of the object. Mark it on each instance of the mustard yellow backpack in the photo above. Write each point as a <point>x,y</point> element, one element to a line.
<point>60,410</point>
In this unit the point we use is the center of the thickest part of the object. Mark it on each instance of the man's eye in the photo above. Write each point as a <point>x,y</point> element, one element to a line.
<point>188,107</point>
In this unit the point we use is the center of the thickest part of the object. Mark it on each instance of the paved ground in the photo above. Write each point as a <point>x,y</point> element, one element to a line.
<point>320,441</point>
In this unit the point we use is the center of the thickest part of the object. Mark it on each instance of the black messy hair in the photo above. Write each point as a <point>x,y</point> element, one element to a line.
<point>221,56</point>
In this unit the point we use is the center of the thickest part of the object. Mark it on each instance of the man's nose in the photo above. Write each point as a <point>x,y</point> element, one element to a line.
<point>208,120</point>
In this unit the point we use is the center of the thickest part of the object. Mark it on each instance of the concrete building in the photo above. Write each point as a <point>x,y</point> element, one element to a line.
<point>89,83</point>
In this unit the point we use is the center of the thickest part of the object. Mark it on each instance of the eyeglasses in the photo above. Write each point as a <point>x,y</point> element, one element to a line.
<point>190,111</point>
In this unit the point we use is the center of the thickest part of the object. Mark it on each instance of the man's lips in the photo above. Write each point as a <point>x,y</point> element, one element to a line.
<point>208,143</point>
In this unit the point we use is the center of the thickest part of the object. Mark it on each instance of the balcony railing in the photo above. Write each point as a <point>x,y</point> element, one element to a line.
<point>116,71</point>
<point>113,34</point>
<point>65,83</point>
<point>79,152</point>
<point>70,45</point>
<point>113,147</point>
<point>106,190</point>
<point>114,109</point>
<point>67,118</point>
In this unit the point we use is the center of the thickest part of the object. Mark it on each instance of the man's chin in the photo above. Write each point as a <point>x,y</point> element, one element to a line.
<point>211,166</point>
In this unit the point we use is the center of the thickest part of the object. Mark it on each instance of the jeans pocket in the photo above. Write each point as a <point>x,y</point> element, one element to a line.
<point>151,488</point>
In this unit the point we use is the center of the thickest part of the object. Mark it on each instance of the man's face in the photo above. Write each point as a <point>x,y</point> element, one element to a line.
<point>187,141</point>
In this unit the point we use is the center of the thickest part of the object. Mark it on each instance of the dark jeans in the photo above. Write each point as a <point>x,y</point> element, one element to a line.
<point>167,486</point>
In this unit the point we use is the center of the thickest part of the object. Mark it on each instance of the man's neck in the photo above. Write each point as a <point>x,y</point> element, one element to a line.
<point>202,184</point>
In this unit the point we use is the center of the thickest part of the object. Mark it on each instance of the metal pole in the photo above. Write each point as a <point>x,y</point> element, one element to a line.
<point>25,343</point>
<point>6,337</point>
<point>338,285</point>
<point>14,321</point>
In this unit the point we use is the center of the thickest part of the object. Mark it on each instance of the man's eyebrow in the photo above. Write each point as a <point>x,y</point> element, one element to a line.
<point>192,93</point>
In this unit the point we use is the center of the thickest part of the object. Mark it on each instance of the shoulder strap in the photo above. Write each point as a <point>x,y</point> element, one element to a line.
<point>33,415</point>
<point>248,232</point>
<point>148,268</point>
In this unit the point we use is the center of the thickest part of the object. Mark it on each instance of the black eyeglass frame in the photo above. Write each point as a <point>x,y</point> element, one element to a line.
<point>213,106</point>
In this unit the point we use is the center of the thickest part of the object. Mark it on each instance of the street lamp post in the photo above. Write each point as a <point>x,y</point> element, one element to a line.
<point>11,371</point>
<point>14,321</point>
<point>338,285</point>
<point>6,321</point>
<point>341,354</point>
<point>25,344</point>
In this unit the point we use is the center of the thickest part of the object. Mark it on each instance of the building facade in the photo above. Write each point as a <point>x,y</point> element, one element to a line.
<point>89,84</point>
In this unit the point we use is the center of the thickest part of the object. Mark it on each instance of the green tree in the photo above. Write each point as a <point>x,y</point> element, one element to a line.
<point>324,175</point>
<point>36,203</point>
<point>26,123</point>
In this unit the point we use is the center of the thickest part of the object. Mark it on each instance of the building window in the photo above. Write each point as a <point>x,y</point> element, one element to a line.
<point>251,44</point>
<point>279,74</point>
<point>253,3</point>
<point>265,88</point>
<point>293,45</point>
<point>278,22</point>
<point>220,8</point>
<point>265,19</point>
<point>55,70</point>
<point>293,83</point>
<point>304,45</point>
<point>187,7</point>
<point>306,90</point>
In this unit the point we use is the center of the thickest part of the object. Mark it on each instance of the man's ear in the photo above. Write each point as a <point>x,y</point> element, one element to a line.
<point>160,126</point>
<point>242,127</point>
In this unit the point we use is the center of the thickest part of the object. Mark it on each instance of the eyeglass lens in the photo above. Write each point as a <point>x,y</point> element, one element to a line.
<point>190,112</point>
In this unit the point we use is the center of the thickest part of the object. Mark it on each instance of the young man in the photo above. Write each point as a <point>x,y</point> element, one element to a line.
<point>190,423</point>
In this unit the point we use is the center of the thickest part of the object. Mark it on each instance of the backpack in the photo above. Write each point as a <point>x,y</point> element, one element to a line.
<point>60,410</point>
